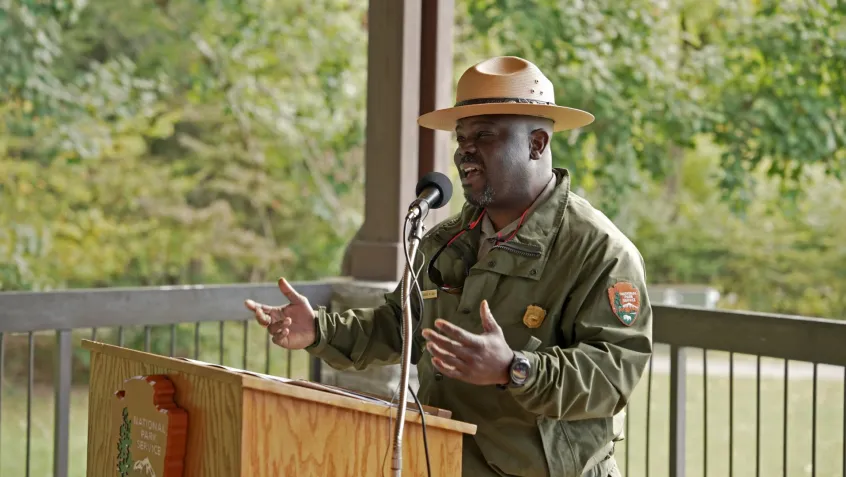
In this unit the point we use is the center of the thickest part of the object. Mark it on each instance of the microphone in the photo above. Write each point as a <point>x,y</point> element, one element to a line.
<point>433,191</point>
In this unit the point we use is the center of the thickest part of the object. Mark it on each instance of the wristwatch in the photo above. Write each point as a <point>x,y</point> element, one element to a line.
<point>519,371</point>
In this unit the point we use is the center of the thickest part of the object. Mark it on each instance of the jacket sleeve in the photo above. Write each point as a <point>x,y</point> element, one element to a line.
<point>360,337</point>
<point>596,376</point>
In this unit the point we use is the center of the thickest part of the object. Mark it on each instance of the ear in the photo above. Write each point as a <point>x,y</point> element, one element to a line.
<point>538,143</point>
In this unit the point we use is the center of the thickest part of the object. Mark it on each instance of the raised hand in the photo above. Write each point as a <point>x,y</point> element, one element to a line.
<point>481,359</point>
<point>291,325</point>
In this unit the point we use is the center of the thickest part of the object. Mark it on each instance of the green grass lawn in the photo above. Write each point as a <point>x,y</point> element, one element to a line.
<point>829,445</point>
<point>830,400</point>
<point>13,445</point>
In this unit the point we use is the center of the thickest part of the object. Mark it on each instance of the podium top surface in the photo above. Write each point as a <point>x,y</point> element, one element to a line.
<point>299,389</point>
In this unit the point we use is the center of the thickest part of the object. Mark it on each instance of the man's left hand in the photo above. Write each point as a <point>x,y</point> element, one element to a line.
<point>482,359</point>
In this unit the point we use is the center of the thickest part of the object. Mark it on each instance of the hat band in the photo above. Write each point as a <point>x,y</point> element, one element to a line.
<point>469,102</point>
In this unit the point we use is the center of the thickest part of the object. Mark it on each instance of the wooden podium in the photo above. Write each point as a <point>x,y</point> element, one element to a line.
<point>241,423</point>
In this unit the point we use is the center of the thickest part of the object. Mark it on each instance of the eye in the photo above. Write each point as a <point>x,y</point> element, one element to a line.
<point>484,134</point>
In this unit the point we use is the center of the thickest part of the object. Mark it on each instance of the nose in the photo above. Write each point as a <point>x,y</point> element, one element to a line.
<point>466,148</point>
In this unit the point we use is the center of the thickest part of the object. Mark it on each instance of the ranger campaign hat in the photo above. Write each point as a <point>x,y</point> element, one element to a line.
<point>505,85</point>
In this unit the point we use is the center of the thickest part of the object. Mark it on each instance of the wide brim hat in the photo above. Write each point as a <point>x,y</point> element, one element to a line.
<point>505,85</point>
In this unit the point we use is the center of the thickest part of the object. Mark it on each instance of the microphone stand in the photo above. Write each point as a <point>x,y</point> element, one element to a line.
<point>415,217</point>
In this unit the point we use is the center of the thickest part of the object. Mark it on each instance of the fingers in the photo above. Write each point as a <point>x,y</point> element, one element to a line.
<point>262,317</point>
<point>280,330</point>
<point>289,292</point>
<point>446,369</point>
<point>281,339</point>
<point>280,326</point>
<point>464,337</point>
<point>445,344</point>
<point>489,324</point>
<point>445,360</point>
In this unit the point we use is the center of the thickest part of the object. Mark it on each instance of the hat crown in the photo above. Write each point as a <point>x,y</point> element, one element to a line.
<point>505,78</point>
<point>505,85</point>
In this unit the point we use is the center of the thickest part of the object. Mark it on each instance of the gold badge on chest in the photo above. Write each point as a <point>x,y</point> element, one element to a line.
<point>534,316</point>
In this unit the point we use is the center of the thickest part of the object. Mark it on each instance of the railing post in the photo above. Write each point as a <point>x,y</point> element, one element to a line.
<point>678,400</point>
<point>316,375</point>
<point>64,362</point>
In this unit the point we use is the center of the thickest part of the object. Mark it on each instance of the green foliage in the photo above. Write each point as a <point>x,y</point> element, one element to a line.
<point>124,459</point>
<point>618,60</point>
<point>719,142</point>
<point>191,143</point>
<point>207,142</point>
<point>776,257</point>
<point>783,98</point>
<point>765,80</point>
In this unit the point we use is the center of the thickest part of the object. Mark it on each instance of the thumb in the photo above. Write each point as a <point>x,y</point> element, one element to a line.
<point>289,292</point>
<point>489,324</point>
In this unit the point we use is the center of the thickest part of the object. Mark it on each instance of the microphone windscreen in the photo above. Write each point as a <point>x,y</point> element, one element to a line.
<point>439,180</point>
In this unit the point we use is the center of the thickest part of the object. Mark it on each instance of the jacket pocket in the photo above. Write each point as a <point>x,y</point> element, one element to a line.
<point>511,448</point>
<point>585,438</point>
<point>560,459</point>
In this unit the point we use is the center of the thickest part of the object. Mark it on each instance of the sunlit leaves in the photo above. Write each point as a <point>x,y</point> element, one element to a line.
<point>786,101</point>
<point>715,124</point>
<point>765,80</point>
<point>180,141</point>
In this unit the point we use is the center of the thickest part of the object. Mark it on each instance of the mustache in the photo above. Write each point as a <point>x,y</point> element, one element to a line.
<point>469,160</point>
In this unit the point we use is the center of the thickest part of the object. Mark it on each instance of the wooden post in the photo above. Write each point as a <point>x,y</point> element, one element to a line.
<point>436,50</point>
<point>391,162</point>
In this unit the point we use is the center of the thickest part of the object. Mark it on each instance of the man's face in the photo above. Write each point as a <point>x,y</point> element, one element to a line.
<point>492,158</point>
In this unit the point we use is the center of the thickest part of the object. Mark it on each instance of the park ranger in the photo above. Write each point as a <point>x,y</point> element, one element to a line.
<point>536,324</point>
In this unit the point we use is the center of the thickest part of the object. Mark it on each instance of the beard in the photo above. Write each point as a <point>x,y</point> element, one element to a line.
<point>483,199</point>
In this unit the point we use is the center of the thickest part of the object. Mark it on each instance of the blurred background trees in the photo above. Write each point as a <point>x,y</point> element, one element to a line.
<point>215,142</point>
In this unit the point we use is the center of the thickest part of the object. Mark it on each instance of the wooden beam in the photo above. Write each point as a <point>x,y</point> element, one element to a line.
<point>436,51</point>
<point>391,162</point>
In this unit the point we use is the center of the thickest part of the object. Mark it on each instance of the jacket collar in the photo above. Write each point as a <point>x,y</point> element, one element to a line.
<point>527,252</point>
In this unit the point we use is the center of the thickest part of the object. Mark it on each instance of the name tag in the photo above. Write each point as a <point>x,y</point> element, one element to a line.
<point>429,294</point>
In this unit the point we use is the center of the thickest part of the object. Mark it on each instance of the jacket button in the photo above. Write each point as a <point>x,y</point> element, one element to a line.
<point>491,263</point>
<point>533,272</point>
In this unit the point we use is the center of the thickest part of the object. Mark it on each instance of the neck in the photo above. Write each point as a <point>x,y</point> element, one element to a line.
<point>502,216</point>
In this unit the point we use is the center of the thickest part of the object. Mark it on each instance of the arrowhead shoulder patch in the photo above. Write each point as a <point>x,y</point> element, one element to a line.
<point>625,302</point>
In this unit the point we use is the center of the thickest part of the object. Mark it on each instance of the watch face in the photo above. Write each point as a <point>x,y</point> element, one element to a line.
<point>520,372</point>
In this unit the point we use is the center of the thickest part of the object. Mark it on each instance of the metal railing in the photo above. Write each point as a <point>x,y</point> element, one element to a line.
<point>745,380</point>
<point>678,423</point>
<point>121,313</point>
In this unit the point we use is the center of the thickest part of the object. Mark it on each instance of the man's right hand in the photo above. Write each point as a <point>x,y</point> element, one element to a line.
<point>292,325</point>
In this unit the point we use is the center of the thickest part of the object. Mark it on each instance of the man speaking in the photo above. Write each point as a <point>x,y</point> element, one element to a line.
<point>536,324</point>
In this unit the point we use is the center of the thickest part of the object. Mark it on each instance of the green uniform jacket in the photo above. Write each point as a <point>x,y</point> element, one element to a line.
<point>587,354</point>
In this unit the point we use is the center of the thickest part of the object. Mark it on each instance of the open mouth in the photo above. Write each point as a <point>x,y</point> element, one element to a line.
<point>470,171</point>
